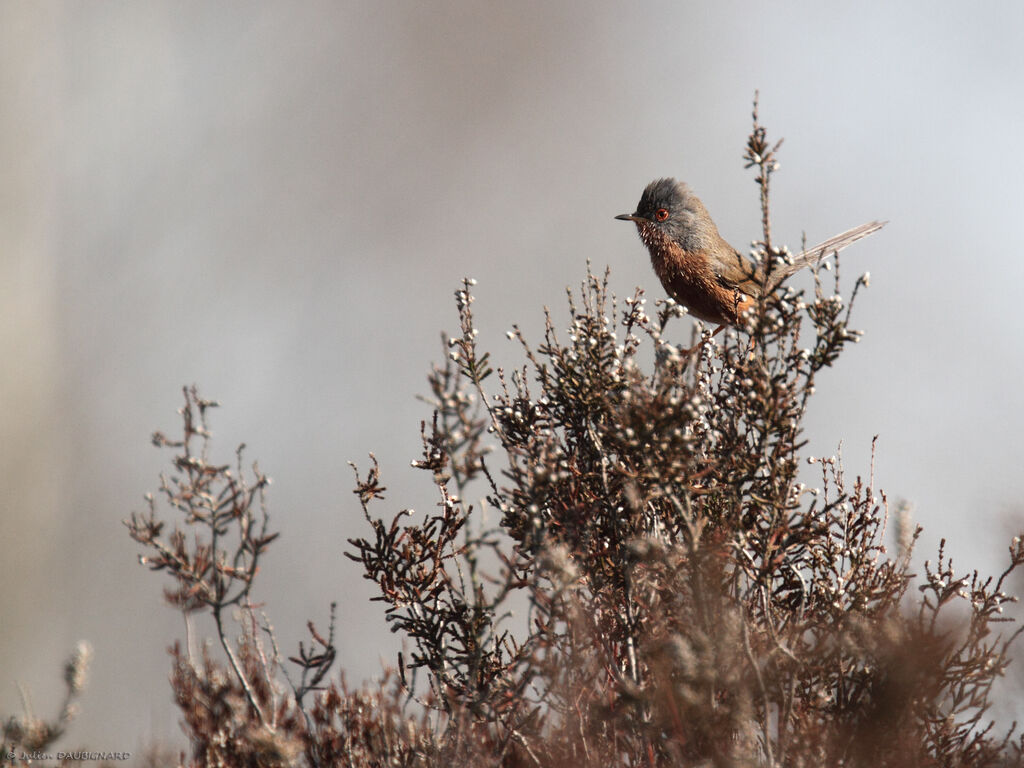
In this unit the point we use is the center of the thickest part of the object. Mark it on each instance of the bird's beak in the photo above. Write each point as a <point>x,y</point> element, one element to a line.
<point>630,217</point>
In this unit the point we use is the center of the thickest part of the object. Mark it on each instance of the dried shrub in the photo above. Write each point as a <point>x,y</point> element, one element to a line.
<point>30,734</point>
<point>660,589</point>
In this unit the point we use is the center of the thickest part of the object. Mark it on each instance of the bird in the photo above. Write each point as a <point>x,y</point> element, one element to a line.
<point>699,269</point>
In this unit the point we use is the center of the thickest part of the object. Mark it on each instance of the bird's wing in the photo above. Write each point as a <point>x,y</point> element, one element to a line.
<point>735,272</point>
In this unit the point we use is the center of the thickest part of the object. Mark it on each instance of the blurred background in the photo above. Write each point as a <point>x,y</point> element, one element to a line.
<point>275,201</point>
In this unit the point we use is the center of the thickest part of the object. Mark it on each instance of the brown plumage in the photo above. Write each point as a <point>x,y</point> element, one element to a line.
<point>698,268</point>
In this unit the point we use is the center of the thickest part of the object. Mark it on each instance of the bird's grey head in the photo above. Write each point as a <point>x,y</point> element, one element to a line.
<point>670,207</point>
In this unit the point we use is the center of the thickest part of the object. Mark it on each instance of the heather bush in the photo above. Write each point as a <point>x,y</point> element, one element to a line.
<point>653,585</point>
<point>656,586</point>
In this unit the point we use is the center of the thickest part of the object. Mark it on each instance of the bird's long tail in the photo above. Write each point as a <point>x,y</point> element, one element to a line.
<point>821,250</point>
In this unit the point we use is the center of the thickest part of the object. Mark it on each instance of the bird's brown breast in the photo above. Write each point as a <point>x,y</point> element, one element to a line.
<point>690,279</point>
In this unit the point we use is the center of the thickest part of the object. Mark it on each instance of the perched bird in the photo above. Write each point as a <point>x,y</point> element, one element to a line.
<point>702,271</point>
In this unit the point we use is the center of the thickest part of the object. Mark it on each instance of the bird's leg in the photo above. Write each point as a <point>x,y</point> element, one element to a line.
<point>703,341</point>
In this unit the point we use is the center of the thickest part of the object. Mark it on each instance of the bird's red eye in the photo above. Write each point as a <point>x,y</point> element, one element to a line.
<point>661,214</point>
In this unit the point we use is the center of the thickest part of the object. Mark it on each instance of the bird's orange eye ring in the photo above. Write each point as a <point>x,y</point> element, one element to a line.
<point>661,214</point>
